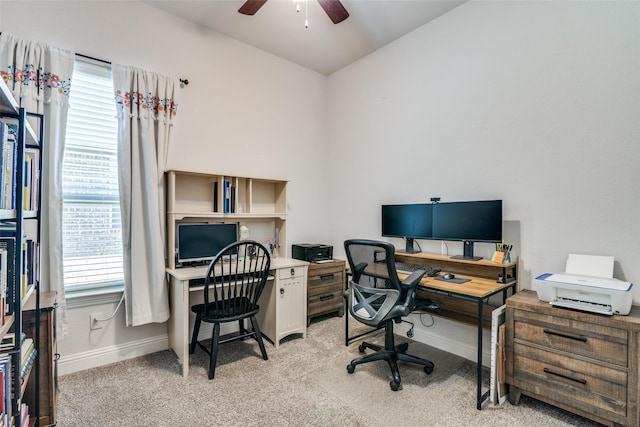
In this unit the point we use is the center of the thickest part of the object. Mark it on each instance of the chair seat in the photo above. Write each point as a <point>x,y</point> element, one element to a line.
<point>233,309</point>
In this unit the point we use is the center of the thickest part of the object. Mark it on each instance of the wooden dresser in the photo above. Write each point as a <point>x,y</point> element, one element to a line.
<point>325,286</point>
<point>48,354</point>
<point>584,363</point>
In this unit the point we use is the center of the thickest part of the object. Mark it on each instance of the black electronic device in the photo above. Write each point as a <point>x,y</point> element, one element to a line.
<point>312,252</point>
<point>412,221</point>
<point>201,242</point>
<point>469,222</point>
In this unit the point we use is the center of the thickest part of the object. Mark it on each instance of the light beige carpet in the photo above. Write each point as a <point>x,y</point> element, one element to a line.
<point>304,383</point>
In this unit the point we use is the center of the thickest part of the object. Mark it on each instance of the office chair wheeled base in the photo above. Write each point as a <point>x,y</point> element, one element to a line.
<point>391,354</point>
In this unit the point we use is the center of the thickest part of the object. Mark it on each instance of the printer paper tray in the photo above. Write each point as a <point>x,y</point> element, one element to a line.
<point>584,305</point>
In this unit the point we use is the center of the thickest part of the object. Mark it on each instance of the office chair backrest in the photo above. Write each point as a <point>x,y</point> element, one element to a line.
<point>235,279</point>
<point>375,293</point>
<point>362,254</point>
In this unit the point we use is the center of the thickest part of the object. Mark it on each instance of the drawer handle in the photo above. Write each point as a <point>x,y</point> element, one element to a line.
<point>571,337</point>
<point>566,377</point>
<point>326,276</point>
<point>326,297</point>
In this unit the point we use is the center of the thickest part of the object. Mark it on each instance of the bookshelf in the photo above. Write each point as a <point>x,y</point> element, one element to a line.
<point>201,197</point>
<point>20,194</point>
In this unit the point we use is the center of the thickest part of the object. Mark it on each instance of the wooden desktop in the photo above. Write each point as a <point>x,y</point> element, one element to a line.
<point>462,302</point>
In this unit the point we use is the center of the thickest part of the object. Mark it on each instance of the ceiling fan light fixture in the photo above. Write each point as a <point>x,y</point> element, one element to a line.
<point>333,8</point>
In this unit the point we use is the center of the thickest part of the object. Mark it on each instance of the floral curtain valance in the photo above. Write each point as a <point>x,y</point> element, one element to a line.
<point>29,70</point>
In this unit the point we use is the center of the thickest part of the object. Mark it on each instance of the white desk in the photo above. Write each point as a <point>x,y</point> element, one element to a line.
<point>282,305</point>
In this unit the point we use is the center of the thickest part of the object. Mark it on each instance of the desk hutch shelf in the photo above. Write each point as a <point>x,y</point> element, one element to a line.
<point>200,197</point>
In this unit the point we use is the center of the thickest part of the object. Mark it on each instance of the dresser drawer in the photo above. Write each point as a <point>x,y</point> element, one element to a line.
<point>325,302</point>
<point>593,387</point>
<point>590,340</point>
<point>325,278</point>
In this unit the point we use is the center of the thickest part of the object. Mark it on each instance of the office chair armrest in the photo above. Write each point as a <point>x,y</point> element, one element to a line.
<point>413,279</point>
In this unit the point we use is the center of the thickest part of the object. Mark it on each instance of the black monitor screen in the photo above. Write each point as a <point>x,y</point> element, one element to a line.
<point>479,221</point>
<point>202,242</point>
<point>413,220</point>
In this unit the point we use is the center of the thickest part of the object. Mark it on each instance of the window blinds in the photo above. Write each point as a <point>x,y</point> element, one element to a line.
<point>92,238</point>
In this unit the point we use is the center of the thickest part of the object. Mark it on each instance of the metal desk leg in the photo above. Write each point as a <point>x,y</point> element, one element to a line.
<point>479,397</point>
<point>346,323</point>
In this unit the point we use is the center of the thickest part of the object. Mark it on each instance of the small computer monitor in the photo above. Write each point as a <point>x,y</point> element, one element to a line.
<point>201,242</point>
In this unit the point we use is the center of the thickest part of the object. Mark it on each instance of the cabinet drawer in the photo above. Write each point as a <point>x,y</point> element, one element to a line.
<point>291,272</point>
<point>335,268</point>
<point>585,385</point>
<point>585,339</point>
<point>324,302</point>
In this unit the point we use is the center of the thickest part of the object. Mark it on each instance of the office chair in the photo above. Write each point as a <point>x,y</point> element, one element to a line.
<point>235,279</point>
<point>376,297</point>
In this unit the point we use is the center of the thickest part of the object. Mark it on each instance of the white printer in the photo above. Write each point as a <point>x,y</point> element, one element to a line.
<point>596,290</point>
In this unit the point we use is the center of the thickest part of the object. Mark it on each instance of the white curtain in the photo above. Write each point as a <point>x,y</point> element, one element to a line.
<point>40,77</point>
<point>146,110</point>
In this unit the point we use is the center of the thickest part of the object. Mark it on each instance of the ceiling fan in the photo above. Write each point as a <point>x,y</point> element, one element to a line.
<point>333,8</point>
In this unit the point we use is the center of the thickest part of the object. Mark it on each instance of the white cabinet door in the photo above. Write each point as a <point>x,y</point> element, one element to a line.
<point>291,295</point>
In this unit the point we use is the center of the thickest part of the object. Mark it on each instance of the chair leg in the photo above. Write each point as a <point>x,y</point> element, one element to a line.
<point>194,337</point>
<point>241,328</point>
<point>256,330</point>
<point>214,350</point>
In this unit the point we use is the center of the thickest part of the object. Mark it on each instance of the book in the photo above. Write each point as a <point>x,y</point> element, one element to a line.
<point>9,245</point>
<point>27,361</point>
<point>5,366</point>
<point>4,254</point>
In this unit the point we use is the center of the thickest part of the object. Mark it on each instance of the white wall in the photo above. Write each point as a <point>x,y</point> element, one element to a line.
<point>245,112</point>
<point>536,103</point>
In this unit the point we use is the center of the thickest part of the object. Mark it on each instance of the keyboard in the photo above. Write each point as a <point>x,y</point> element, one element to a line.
<point>403,267</point>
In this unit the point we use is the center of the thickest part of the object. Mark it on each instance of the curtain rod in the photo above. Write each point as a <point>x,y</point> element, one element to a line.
<point>93,59</point>
<point>183,82</point>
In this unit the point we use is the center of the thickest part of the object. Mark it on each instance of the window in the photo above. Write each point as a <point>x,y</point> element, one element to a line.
<point>91,224</point>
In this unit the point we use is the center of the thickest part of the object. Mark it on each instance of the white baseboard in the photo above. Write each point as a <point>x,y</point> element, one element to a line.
<point>446,342</point>
<point>112,354</point>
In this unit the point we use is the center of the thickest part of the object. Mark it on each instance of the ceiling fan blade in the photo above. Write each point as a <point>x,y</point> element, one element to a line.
<point>335,10</point>
<point>250,7</point>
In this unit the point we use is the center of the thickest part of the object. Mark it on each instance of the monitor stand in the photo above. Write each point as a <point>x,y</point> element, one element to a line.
<point>467,253</point>
<point>409,246</point>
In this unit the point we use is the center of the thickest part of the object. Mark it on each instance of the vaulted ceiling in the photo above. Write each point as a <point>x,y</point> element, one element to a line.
<point>324,46</point>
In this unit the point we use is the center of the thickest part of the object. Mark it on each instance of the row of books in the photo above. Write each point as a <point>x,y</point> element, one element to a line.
<point>229,199</point>
<point>30,271</point>
<point>8,165</point>
<point>27,358</point>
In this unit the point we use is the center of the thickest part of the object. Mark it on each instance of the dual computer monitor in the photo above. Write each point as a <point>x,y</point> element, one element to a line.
<point>469,222</point>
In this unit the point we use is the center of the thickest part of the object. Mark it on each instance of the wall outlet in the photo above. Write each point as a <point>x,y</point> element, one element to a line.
<point>94,323</point>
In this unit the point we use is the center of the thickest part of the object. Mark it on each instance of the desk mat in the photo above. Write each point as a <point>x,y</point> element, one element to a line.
<point>455,280</point>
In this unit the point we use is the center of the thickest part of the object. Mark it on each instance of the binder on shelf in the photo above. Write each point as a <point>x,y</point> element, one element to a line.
<point>227,196</point>
<point>233,199</point>
<point>215,196</point>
